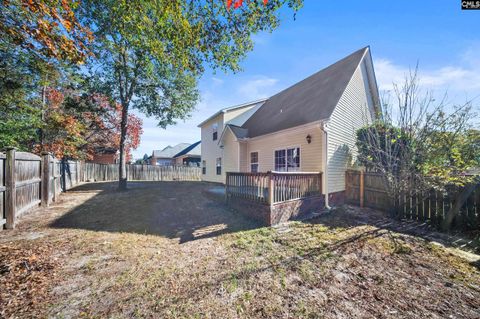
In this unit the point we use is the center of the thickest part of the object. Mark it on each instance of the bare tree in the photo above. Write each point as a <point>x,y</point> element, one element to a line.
<point>419,143</point>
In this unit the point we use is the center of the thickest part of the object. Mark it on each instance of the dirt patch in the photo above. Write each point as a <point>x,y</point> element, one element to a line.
<point>167,250</point>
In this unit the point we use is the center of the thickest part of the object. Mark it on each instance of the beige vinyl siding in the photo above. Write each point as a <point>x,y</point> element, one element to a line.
<point>231,150</point>
<point>353,111</point>
<point>240,116</point>
<point>244,158</point>
<point>310,154</point>
<point>211,150</point>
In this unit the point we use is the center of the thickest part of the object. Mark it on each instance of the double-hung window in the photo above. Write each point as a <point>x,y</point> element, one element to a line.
<point>219,166</point>
<point>254,162</point>
<point>204,167</point>
<point>287,160</point>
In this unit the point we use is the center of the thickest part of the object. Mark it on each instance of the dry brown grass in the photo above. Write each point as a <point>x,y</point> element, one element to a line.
<point>189,257</point>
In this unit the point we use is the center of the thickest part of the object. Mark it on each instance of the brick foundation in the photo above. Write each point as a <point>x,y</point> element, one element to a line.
<point>279,212</point>
<point>255,210</point>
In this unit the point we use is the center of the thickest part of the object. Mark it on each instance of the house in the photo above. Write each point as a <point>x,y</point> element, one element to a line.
<point>190,156</point>
<point>105,155</point>
<point>308,127</point>
<point>165,156</point>
<point>180,154</point>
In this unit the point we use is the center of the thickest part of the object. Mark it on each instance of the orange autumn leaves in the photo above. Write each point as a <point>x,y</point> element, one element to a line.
<point>79,134</point>
<point>49,28</point>
<point>238,3</point>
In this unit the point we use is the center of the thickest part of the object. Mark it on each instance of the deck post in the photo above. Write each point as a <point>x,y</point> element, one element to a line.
<point>270,188</point>
<point>10,205</point>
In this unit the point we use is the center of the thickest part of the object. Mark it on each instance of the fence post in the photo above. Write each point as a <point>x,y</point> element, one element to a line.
<point>45,175</point>
<point>362,188</point>
<point>320,183</point>
<point>227,182</point>
<point>54,177</point>
<point>10,205</point>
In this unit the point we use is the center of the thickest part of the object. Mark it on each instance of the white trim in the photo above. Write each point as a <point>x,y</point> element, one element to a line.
<point>223,133</point>
<point>231,108</point>
<point>325,161</point>
<point>293,173</point>
<point>291,129</point>
<point>250,160</point>
<point>285,149</point>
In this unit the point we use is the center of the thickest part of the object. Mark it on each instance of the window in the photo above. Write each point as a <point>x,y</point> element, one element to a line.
<point>204,167</point>
<point>254,162</point>
<point>219,166</point>
<point>215,131</point>
<point>287,160</point>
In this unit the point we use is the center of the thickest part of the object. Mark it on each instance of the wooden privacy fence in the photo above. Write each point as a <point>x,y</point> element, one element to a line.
<point>368,189</point>
<point>27,180</point>
<point>273,187</point>
<point>109,172</point>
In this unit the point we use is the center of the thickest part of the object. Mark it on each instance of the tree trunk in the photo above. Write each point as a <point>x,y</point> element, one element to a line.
<point>459,201</point>
<point>122,167</point>
<point>44,102</point>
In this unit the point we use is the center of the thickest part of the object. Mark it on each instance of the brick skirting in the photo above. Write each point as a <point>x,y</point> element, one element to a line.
<point>279,212</point>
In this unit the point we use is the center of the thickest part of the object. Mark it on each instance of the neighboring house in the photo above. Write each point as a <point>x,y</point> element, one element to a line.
<point>309,127</point>
<point>180,154</point>
<point>105,155</point>
<point>190,156</point>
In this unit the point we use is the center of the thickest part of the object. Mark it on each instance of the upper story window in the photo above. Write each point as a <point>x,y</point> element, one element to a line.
<point>287,160</point>
<point>254,162</point>
<point>215,131</point>
<point>219,166</point>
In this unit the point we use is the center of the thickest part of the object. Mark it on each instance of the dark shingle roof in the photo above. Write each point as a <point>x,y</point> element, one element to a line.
<point>309,100</point>
<point>188,149</point>
<point>238,131</point>
<point>170,151</point>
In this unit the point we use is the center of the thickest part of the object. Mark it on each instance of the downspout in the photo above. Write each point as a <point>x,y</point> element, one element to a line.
<point>325,162</point>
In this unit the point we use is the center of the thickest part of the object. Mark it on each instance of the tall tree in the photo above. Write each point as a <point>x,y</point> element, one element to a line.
<point>39,41</point>
<point>77,125</point>
<point>151,53</point>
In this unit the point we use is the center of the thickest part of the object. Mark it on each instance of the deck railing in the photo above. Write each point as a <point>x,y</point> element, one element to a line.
<point>273,187</point>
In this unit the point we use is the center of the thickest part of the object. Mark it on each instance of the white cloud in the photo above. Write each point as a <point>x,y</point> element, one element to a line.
<point>217,82</point>
<point>257,88</point>
<point>459,80</point>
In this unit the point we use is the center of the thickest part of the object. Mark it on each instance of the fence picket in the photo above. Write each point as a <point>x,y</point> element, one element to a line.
<point>431,206</point>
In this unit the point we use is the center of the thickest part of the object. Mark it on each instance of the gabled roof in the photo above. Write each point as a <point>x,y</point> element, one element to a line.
<point>193,149</point>
<point>170,151</point>
<point>231,108</point>
<point>309,100</point>
<point>238,131</point>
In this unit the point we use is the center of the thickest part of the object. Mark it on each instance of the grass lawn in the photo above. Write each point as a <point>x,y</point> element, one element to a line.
<point>165,250</point>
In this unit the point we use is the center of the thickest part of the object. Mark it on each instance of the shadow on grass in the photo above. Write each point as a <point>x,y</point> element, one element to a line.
<point>169,209</point>
<point>350,217</point>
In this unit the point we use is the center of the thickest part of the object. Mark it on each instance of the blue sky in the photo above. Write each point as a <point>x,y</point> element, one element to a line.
<point>438,34</point>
